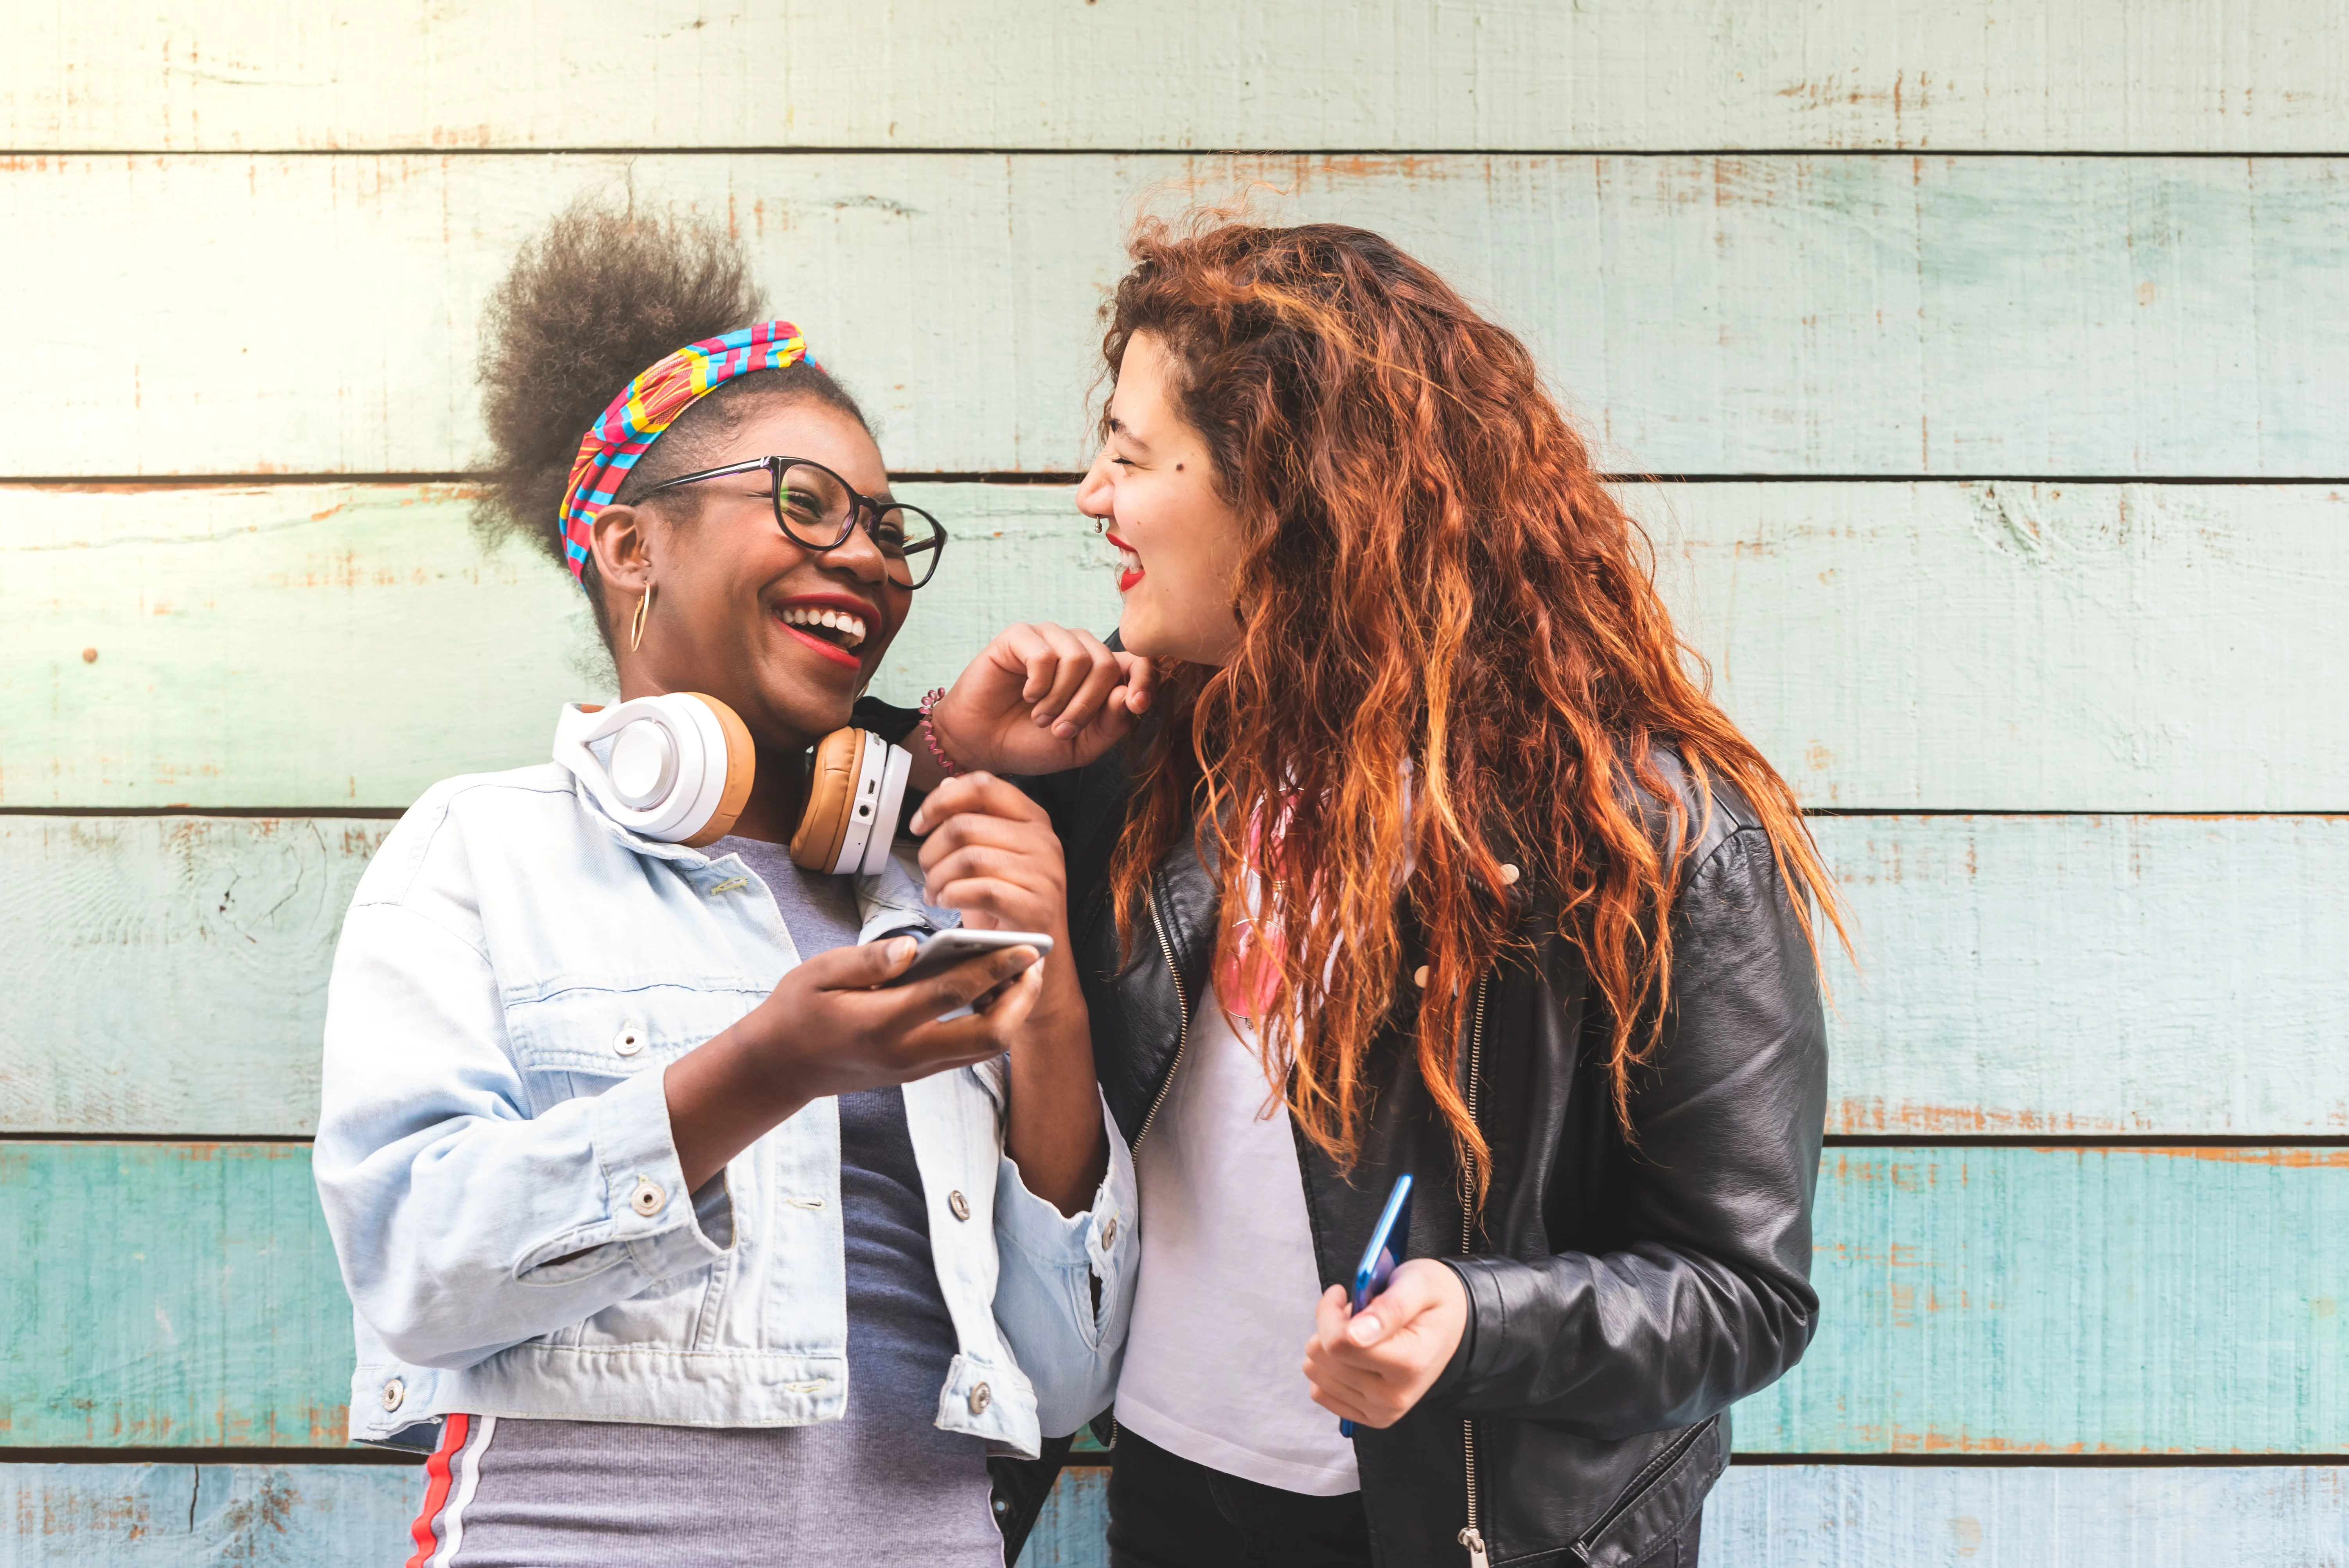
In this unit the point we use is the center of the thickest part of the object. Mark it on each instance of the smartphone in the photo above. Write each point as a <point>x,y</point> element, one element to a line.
<point>942,950</point>
<point>1378,1264</point>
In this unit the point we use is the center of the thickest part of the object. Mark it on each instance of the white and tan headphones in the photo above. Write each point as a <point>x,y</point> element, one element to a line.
<point>678,767</point>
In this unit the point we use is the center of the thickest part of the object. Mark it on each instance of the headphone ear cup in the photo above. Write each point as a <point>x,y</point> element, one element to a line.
<point>741,771</point>
<point>832,792</point>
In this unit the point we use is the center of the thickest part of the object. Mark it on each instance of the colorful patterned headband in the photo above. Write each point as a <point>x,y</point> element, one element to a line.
<point>651,405</point>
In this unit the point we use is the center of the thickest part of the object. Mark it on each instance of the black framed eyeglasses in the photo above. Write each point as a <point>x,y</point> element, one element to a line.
<point>819,509</point>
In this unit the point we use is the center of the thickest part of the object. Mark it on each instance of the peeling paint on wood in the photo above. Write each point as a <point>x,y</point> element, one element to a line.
<point>1858,1516</point>
<point>2056,976</point>
<point>2072,1301</point>
<point>323,1516</point>
<point>181,1516</point>
<point>1890,315</point>
<point>2024,647</point>
<point>2007,1301</point>
<point>1759,1516</point>
<point>2201,76</point>
<point>2071,975</point>
<point>1891,646</point>
<point>169,1295</point>
<point>169,974</point>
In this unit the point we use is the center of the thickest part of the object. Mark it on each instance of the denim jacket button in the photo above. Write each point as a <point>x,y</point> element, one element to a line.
<point>628,1041</point>
<point>960,1206</point>
<point>981,1396</point>
<point>1109,1233</point>
<point>394,1393</point>
<point>648,1197</point>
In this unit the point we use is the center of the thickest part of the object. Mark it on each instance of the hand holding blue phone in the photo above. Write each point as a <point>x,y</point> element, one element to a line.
<point>1378,1264</point>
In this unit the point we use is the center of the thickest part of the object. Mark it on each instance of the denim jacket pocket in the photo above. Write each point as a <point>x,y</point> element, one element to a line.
<point>580,1040</point>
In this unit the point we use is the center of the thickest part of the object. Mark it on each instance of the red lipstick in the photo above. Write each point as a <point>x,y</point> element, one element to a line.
<point>1129,575</point>
<point>843,604</point>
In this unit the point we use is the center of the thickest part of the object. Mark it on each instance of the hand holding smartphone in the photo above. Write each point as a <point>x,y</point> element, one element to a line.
<point>942,950</point>
<point>1378,1264</point>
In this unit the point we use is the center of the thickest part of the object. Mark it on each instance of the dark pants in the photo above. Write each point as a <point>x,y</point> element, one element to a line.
<point>1166,1512</point>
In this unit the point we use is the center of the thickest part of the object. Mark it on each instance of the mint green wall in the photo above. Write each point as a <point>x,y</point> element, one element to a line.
<point>1998,350</point>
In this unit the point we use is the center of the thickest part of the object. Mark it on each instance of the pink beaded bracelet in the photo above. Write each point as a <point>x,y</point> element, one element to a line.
<point>930,734</point>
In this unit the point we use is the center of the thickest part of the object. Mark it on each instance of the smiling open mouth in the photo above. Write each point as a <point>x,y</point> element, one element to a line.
<point>835,634</point>
<point>838,627</point>
<point>1128,564</point>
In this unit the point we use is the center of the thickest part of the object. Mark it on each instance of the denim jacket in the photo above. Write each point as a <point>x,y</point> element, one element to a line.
<point>495,1163</point>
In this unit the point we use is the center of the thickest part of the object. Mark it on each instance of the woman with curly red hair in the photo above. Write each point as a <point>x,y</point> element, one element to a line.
<point>1428,855</point>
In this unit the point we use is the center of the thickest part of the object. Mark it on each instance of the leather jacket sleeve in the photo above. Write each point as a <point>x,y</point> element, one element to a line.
<point>1702,1293</point>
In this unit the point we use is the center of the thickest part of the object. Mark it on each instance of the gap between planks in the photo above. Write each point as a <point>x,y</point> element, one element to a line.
<point>1099,1458</point>
<point>794,150</point>
<point>1832,1140</point>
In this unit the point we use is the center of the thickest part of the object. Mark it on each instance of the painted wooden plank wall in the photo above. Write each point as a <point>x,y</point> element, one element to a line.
<point>199,1516</point>
<point>169,974</point>
<point>2000,1301</point>
<point>315,1516</point>
<point>2068,1301</point>
<point>1852,1516</point>
<point>1995,646</point>
<point>2209,75</point>
<point>2081,975</point>
<point>169,1295</point>
<point>2046,975</point>
<point>1889,315</point>
<point>1759,1516</point>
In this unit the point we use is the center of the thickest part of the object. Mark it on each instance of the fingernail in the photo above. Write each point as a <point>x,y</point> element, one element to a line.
<point>901,948</point>
<point>1363,1330</point>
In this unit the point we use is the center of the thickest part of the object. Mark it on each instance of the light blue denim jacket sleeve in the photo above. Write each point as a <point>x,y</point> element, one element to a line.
<point>497,1170</point>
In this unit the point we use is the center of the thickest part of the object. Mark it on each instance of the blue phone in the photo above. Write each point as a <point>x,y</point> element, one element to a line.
<point>1378,1264</point>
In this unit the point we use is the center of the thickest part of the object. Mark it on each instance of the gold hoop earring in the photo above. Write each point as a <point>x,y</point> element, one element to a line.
<point>636,626</point>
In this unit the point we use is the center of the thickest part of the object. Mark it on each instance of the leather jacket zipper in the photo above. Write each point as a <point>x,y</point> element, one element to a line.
<point>1470,1536</point>
<point>1650,1474</point>
<point>1182,1002</point>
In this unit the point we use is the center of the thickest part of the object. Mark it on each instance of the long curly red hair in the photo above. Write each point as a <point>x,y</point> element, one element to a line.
<point>1454,656</point>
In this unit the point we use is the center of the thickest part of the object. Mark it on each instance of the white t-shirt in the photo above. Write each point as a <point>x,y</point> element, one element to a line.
<point>1225,1300</point>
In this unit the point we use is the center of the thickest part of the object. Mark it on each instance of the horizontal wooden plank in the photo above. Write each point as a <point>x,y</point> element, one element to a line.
<point>1739,315</point>
<point>169,1295</point>
<point>2021,974</point>
<point>169,974</point>
<point>177,1516</point>
<point>1759,1516</point>
<point>2072,1301</point>
<point>321,1516</point>
<point>2211,75</point>
<point>2091,975</point>
<point>1863,1516</point>
<point>1891,646</point>
<point>2013,1301</point>
<point>2004,646</point>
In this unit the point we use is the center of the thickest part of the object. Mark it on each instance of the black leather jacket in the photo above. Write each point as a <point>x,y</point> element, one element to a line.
<point>1621,1298</point>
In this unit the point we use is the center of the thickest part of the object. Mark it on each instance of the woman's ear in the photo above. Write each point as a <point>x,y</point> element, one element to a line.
<point>623,553</point>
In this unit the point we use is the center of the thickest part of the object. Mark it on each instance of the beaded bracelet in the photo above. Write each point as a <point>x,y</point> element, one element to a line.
<point>930,735</point>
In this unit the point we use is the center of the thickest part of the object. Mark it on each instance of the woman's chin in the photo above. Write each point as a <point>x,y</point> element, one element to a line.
<point>1137,634</point>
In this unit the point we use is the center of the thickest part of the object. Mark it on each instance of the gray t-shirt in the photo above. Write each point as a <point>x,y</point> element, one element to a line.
<point>882,1485</point>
